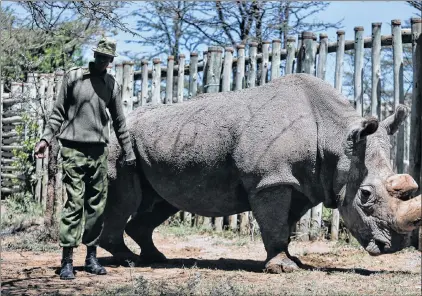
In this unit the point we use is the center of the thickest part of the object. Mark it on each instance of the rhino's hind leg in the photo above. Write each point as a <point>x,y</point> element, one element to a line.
<point>141,227</point>
<point>270,207</point>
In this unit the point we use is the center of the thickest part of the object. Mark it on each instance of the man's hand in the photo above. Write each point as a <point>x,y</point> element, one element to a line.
<point>40,149</point>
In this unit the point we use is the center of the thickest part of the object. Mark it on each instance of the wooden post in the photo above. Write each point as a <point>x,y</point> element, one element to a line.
<point>1,134</point>
<point>181,78</point>
<point>322,57</point>
<point>227,69</point>
<point>213,70</point>
<point>415,145</point>
<point>169,82</point>
<point>308,58</point>
<point>398,92</point>
<point>127,87</point>
<point>315,44</point>
<point>156,81</point>
<point>193,75</point>
<point>264,62</point>
<point>144,83</point>
<point>275,59</point>
<point>338,78</point>
<point>119,74</point>
<point>300,54</point>
<point>376,71</point>
<point>204,69</point>
<point>240,68</point>
<point>316,218</point>
<point>251,78</point>
<point>291,53</point>
<point>358,70</point>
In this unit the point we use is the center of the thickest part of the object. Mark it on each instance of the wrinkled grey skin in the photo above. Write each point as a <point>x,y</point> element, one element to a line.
<point>276,150</point>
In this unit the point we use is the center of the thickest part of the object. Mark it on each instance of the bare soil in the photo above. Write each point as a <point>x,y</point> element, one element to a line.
<point>211,264</point>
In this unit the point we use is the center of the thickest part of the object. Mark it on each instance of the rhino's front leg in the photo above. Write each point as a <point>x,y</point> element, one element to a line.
<point>270,207</point>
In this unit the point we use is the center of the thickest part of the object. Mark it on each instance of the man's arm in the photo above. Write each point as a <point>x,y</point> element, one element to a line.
<point>119,124</point>
<point>58,113</point>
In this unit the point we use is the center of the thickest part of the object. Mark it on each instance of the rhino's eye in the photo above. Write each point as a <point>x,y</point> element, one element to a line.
<point>365,195</point>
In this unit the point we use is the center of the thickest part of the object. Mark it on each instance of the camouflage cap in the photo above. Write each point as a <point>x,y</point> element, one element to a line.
<point>106,46</point>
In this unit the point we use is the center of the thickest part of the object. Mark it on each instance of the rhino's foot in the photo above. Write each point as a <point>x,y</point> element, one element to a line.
<point>281,263</point>
<point>126,259</point>
<point>152,257</point>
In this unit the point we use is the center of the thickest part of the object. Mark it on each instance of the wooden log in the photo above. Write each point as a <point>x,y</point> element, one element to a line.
<point>12,101</point>
<point>44,180</point>
<point>415,145</point>
<point>204,72</point>
<point>264,62</point>
<point>181,79</point>
<point>50,91</point>
<point>322,57</point>
<point>275,59</point>
<point>207,223</point>
<point>7,160</point>
<point>398,93</point>
<point>376,71</point>
<point>14,189</point>
<point>358,70</point>
<point>193,75</point>
<point>338,77</point>
<point>127,87</point>
<point>11,148</point>
<point>42,90</point>
<point>144,83</point>
<point>227,69</point>
<point>316,219</point>
<point>119,74</point>
<point>9,168</point>
<point>302,228</point>
<point>38,184</point>
<point>218,222</point>
<point>12,176</point>
<point>300,53</point>
<point>6,154</point>
<point>11,140</point>
<point>315,44</point>
<point>244,223</point>
<point>170,81</point>
<point>291,53</point>
<point>308,58</point>
<point>251,78</point>
<point>13,119</point>
<point>240,67</point>
<point>156,82</point>
<point>213,70</point>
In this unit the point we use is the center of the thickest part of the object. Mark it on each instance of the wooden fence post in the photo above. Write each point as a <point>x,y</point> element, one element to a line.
<point>338,77</point>
<point>415,145</point>
<point>358,70</point>
<point>398,92</point>
<point>169,80</point>
<point>275,59</point>
<point>251,78</point>
<point>127,87</point>
<point>307,66</point>
<point>156,82</point>
<point>1,137</point>
<point>119,74</point>
<point>204,69</point>
<point>240,68</point>
<point>264,62</point>
<point>376,71</point>
<point>227,69</point>
<point>291,53</point>
<point>300,54</point>
<point>181,78</point>
<point>144,83</point>
<point>213,70</point>
<point>193,75</point>
<point>322,56</point>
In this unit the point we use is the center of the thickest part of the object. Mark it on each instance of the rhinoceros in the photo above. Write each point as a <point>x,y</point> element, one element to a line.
<point>276,150</point>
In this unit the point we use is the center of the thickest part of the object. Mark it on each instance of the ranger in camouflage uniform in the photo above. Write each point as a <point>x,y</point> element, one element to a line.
<point>80,121</point>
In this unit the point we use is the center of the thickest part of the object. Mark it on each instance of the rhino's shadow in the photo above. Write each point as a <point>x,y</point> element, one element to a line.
<point>245,265</point>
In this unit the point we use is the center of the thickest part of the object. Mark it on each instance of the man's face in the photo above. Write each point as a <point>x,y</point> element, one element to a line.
<point>102,61</point>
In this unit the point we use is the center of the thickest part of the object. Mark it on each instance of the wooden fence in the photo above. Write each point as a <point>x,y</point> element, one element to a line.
<point>243,67</point>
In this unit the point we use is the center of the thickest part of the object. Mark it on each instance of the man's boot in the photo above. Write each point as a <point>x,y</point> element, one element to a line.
<point>91,262</point>
<point>66,271</point>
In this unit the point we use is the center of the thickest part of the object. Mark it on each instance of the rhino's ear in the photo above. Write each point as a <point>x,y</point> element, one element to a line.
<point>362,129</point>
<point>393,122</point>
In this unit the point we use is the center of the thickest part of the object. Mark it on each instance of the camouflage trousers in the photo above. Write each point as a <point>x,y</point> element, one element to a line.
<point>85,178</point>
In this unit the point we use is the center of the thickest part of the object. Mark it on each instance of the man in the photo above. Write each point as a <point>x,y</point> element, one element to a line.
<point>80,121</point>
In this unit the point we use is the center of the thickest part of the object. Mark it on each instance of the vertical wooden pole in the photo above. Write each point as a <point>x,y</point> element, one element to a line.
<point>144,83</point>
<point>181,78</point>
<point>227,69</point>
<point>119,74</point>
<point>322,56</point>
<point>398,92</point>
<point>204,69</point>
<point>338,78</point>
<point>156,81</point>
<point>127,87</point>
<point>193,75</point>
<point>251,78</point>
<point>415,145</point>
<point>275,59</point>
<point>291,53</point>
<point>376,71</point>
<point>300,54</point>
<point>315,44</point>
<point>240,68</point>
<point>169,82</point>
<point>1,134</point>
<point>264,62</point>
<point>213,70</point>
<point>358,70</point>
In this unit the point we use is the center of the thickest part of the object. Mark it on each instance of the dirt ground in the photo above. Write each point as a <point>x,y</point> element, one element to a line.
<point>205,264</point>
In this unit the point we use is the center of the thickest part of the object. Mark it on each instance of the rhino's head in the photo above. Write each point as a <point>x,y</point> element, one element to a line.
<point>376,203</point>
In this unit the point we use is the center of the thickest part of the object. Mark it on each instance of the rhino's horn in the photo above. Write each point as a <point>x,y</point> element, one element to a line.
<point>409,215</point>
<point>401,185</point>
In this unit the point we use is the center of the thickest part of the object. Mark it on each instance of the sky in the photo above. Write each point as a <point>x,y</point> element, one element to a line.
<point>354,13</point>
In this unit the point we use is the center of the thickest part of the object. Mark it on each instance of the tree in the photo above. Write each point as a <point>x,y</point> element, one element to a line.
<point>417,5</point>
